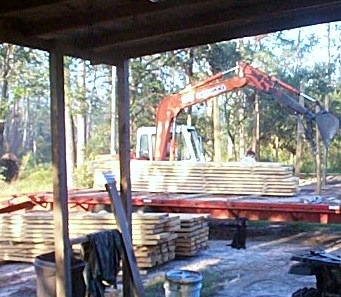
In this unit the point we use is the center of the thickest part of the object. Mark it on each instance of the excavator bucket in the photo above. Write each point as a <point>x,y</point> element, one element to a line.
<point>328,125</point>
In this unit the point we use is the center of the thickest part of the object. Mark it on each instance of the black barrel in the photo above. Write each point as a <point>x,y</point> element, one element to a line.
<point>45,268</point>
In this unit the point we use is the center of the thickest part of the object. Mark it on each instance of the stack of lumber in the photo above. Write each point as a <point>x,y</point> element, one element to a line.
<point>237,178</point>
<point>192,237</point>
<point>154,239</point>
<point>25,236</point>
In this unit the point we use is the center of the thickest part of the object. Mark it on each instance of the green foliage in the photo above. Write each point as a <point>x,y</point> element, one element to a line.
<point>100,141</point>
<point>222,56</point>
<point>308,162</point>
<point>83,176</point>
<point>31,163</point>
<point>31,180</point>
<point>41,176</point>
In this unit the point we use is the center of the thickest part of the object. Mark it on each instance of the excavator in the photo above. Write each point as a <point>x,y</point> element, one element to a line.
<point>162,142</point>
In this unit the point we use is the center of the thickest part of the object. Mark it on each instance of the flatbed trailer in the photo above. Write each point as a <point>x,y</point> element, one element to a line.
<point>304,207</point>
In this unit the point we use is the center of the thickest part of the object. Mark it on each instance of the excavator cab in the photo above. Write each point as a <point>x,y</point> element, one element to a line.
<point>187,141</point>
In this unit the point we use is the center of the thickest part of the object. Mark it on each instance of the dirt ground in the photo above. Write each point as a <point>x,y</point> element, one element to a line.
<point>261,270</point>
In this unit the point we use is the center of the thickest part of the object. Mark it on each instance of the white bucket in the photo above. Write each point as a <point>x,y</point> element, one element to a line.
<point>182,283</point>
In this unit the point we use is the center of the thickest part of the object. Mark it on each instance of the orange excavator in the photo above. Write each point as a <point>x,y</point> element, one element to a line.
<point>164,146</point>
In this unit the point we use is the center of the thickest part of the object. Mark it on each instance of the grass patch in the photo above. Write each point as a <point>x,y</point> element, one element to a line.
<point>214,281</point>
<point>155,287</point>
<point>295,227</point>
<point>302,227</point>
<point>38,180</point>
<point>307,227</point>
<point>259,223</point>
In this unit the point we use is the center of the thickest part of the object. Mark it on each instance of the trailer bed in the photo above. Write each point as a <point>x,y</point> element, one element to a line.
<point>302,207</point>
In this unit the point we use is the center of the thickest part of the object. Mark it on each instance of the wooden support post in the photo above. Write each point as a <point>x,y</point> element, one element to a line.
<point>124,152</point>
<point>60,194</point>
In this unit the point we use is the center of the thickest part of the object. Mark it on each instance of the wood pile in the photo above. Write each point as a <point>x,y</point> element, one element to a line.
<point>24,236</point>
<point>192,237</point>
<point>154,235</point>
<point>237,178</point>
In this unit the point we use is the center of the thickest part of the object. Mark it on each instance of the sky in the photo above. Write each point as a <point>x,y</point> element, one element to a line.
<point>320,52</point>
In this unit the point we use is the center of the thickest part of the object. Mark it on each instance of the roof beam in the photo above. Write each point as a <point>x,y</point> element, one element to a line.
<point>8,36</point>
<point>8,7</point>
<point>118,29</point>
<point>212,20</point>
<point>119,12</point>
<point>210,35</point>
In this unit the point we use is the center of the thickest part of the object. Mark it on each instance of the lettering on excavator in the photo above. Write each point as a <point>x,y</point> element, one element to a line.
<point>211,92</point>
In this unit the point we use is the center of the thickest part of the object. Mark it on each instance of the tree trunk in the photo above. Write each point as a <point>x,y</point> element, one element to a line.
<point>318,159</point>
<point>325,150</point>
<point>113,138</point>
<point>14,132</point>
<point>81,116</point>
<point>300,131</point>
<point>189,73</point>
<point>2,128</point>
<point>326,106</point>
<point>69,135</point>
<point>241,127</point>
<point>26,139</point>
<point>5,71</point>
<point>81,132</point>
<point>216,130</point>
<point>276,148</point>
<point>255,132</point>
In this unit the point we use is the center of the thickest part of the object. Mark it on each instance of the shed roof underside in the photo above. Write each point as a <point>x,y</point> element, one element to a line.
<point>105,31</point>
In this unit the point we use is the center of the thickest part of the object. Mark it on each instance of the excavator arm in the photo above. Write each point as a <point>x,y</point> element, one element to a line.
<point>328,123</point>
<point>171,105</point>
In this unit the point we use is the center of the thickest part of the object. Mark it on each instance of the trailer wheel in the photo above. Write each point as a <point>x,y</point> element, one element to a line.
<point>305,292</point>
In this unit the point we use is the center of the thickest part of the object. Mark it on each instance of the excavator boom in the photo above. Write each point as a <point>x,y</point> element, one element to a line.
<point>170,106</point>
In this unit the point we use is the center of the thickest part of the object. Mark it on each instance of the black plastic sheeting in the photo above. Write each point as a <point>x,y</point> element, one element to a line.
<point>103,254</point>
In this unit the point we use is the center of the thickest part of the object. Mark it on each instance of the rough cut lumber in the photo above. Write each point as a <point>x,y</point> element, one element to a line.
<point>261,178</point>
<point>192,237</point>
<point>25,236</point>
